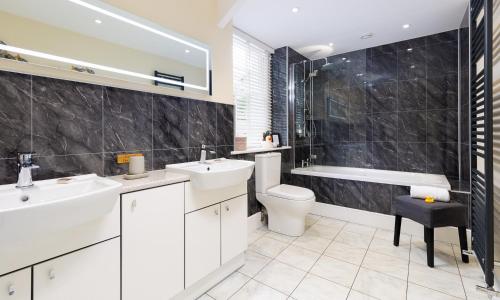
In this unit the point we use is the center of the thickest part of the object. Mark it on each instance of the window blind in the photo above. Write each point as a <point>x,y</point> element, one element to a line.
<point>252,90</point>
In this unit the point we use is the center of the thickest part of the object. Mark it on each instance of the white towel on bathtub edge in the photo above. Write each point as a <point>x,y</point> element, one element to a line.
<point>421,192</point>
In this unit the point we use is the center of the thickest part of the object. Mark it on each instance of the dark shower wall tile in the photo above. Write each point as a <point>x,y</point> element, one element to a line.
<point>67,117</point>
<point>8,171</point>
<point>377,197</point>
<point>170,122</point>
<point>225,126</point>
<point>359,155</point>
<point>412,126</point>
<point>442,59</point>
<point>360,128</point>
<point>348,193</point>
<point>411,63</point>
<point>202,123</point>
<point>111,167</point>
<point>442,126</point>
<point>382,68</point>
<point>127,120</point>
<point>443,37</point>
<point>169,156</point>
<point>359,103</point>
<point>324,189</point>
<point>442,158</point>
<point>442,92</point>
<point>385,127</point>
<point>224,151</point>
<point>383,96</point>
<point>15,114</point>
<point>68,165</point>
<point>412,95</point>
<point>412,157</point>
<point>384,155</point>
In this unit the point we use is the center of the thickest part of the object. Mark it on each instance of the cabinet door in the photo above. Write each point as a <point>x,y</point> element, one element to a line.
<point>233,228</point>
<point>153,243</point>
<point>90,273</point>
<point>16,286</point>
<point>202,243</point>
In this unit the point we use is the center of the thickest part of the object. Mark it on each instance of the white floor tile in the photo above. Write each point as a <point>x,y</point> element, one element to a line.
<point>205,297</point>
<point>254,262</point>
<point>228,286</point>
<point>417,292</point>
<point>444,258</point>
<point>355,295</point>
<point>331,222</point>
<point>256,234</point>
<point>280,276</point>
<point>298,257</point>
<point>379,285</point>
<point>311,220</point>
<point>312,243</point>
<point>268,247</point>
<point>347,253</point>
<point>386,264</point>
<point>470,270</point>
<point>471,291</point>
<point>386,247</point>
<point>322,231</point>
<point>316,288</point>
<point>435,279</point>
<point>280,237</point>
<point>388,235</point>
<point>353,239</point>
<point>335,270</point>
<point>254,290</point>
<point>361,229</point>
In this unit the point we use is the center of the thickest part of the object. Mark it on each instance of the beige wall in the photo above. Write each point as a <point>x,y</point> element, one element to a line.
<point>197,19</point>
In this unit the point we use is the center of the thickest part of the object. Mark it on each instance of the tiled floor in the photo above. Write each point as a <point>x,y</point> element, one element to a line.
<point>338,260</point>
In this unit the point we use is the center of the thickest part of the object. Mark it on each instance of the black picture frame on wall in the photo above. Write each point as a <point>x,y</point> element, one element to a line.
<point>170,77</point>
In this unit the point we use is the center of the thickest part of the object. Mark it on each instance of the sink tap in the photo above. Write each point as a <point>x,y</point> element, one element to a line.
<point>203,155</point>
<point>24,167</point>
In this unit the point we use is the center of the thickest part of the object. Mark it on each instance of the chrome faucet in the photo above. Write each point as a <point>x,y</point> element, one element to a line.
<point>203,155</point>
<point>24,167</point>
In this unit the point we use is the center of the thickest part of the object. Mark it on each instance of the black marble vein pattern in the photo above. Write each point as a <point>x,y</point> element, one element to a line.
<point>392,107</point>
<point>77,128</point>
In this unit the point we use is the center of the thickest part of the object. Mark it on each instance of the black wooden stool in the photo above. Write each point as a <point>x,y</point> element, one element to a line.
<point>431,215</point>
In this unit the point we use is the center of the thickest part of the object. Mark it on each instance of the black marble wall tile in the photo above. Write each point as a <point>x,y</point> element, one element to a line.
<point>68,165</point>
<point>66,117</point>
<point>442,126</point>
<point>382,68</point>
<point>15,114</point>
<point>202,123</point>
<point>384,155</point>
<point>127,120</point>
<point>8,171</point>
<point>412,126</point>
<point>412,157</point>
<point>224,151</point>
<point>411,63</point>
<point>383,96</point>
<point>359,155</point>
<point>377,197</point>
<point>170,122</point>
<point>412,95</point>
<point>442,92</point>
<point>442,158</point>
<point>443,37</point>
<point>324,189</point>
<point>348,193</point>
<point>169,156</point>
<point>385,127</point>
<point>442,59</point>
<point>225,126</point>
<point>111,167</point>
<point>399,190</point>
<point>360,127</point>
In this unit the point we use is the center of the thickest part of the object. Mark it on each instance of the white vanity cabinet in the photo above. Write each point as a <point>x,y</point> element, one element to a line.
<point>153,243</point>
<point>16,286</point>
<point>233,228</point>
<point>90,273</point>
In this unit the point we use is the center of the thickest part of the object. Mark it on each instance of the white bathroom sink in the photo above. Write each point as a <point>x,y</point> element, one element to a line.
<point>55,204</point>
<point>215,174</point>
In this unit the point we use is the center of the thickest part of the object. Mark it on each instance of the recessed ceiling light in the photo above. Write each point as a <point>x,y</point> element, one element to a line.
<point>187,50</point>
<point>406,26</point>
<point>97,21</point>
<point>330,44</point>
<point>295,10</point>
<point>409,49</point>
<point>366,36</point>
<point>343,58</point>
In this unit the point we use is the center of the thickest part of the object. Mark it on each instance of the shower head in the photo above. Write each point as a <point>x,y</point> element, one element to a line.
<point>327,66</point>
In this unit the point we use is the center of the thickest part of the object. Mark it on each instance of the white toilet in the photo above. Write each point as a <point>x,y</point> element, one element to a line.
<point>287,205</point>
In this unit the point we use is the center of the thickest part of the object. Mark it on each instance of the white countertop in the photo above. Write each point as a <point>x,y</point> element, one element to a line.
<point>155,179</point>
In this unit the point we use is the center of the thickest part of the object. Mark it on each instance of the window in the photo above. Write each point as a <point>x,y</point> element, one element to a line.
<point>252,89</point>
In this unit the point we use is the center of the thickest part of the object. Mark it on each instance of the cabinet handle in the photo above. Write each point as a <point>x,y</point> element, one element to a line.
<point>133,205</point>
<point>52,274</point>
<point>11,290</point>
<point>216,212</point>
<point>227,207</point>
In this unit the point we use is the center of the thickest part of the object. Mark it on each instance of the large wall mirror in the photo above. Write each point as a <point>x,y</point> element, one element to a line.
<point>95,38</point>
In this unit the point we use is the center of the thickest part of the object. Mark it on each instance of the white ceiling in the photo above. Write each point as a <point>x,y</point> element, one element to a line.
<point>343,22</point>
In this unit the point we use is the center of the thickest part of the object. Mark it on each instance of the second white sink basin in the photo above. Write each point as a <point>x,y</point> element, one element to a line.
<point>215,174</point>
<point>55,204</point>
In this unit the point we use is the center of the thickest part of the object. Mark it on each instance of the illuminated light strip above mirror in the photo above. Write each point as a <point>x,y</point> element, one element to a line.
<point>155,31</point>
<point>94,66</point>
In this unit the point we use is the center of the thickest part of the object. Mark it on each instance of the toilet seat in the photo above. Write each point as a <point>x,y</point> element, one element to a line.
<point>290,192</point>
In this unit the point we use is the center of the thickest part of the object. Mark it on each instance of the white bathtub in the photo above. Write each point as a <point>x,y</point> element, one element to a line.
<point>378,176</point>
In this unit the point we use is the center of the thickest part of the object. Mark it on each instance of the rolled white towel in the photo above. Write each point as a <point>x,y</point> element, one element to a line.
<point>439,194</point>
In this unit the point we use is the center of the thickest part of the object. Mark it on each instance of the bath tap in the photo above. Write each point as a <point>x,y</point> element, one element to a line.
<point>24,167</point>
